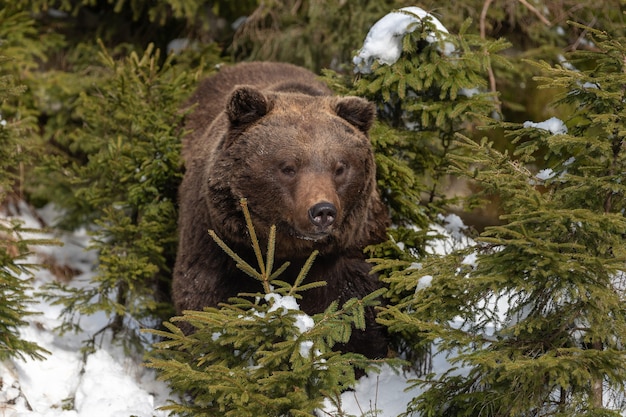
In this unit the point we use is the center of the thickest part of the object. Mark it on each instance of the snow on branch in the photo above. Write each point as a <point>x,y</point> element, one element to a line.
<point>383,42</point>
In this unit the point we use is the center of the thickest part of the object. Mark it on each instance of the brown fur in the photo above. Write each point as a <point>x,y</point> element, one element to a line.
<point>273,134</point>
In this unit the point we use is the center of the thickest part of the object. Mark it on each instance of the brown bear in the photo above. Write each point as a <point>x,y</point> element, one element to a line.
<point>274,134</point>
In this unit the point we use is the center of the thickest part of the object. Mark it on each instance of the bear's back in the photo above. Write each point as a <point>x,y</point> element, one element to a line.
<point>212,93</point>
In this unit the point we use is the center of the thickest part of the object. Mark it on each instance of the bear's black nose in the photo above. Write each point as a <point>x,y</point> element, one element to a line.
<point>323,214</point>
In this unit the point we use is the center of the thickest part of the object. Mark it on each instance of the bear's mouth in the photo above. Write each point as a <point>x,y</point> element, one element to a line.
<point>313,238</point>
<point>310,236</point>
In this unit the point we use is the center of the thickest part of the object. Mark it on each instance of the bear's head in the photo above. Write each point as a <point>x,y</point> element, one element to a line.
<point>304,163</point>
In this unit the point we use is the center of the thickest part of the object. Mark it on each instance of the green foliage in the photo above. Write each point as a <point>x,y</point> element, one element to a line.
<point>16,274</point>
<point>16,269</point>
<point>21,49</point>
<point>127,186</point>
<point>158,12</point>
<point>259,354</point>
<point>9,148</point>
<point>536,308</point>
<point>423,100</point>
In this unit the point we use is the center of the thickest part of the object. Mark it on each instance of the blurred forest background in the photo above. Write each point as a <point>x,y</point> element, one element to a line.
<point>90,121</point>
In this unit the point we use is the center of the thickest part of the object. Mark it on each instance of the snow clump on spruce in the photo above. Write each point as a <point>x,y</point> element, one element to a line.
<point>288,302</point>
<point>384,40</point>
<point>303,322</point>
<point>552,125</point>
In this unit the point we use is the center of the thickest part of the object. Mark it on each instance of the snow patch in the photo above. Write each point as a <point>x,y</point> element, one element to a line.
<point>122,396</point>
<point>471,260</point>
<point>303,321</point>
<point>386,392</point>
<point>545,174</point>
<point>451,236</point>
<point>288,302</point>
<point>424,282</point>
<point>569,161</point>
<point>109,382</point>
<point>68,383</point>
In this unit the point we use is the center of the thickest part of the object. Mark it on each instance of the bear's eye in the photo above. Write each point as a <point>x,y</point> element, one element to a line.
<point>288,170</point>
<point>341,169</point>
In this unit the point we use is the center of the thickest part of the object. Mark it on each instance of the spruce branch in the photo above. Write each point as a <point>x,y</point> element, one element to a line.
<point>303,273</point>
<point>255,241</point>
<point>240,262</point>
<point>536,12</point>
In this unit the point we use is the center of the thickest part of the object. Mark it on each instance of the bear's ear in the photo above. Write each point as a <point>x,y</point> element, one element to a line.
<point>246,105</point>
<point>357,111</point>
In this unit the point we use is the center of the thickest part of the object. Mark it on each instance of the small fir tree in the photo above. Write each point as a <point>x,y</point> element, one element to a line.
<point>532,317</point>
<point>16,269</point>
<point>423,100</point>
<point>259,354</point>
<point>126,184</point>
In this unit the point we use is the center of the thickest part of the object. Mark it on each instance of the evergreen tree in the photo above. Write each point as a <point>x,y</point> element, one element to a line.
<point>127,186</point>
<point>423,100</point>
<point>16,273</point>
<point>16,267</point>
<point>259,354</point>
<point>532,317</point>
<point>311,33</point>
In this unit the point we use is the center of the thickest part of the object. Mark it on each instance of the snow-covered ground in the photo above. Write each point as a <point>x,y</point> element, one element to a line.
<point>68,383</point>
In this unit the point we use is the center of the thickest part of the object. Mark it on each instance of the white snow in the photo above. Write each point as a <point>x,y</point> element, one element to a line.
<point>385,392</point>
<point>303,321</point>
<point>565,63</point>
<point>107,382</point>
<point>451,235</point>
<point>383,42</point>
<point>288,302</point>
<point>545,174</point>
<point>454,225</point>
<point>123,382</point>
<point>278,301</point>
<point>469,92</point>
<point>569,161</point>
<point>471,260</point>
<point>424,282</point>
<point>553,125</point>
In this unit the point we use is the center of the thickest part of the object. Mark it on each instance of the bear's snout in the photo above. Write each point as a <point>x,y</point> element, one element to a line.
<point>323,215</point>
